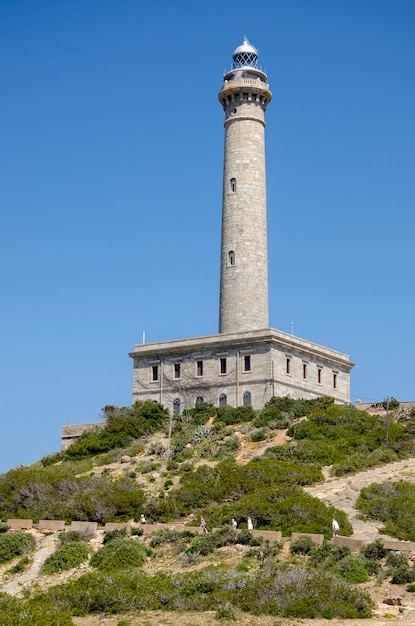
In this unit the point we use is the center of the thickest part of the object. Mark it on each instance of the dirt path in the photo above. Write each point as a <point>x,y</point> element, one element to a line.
<point>45,547</point>
<point>343,493</point>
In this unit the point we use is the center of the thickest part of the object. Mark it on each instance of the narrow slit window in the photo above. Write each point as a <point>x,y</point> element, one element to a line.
<point>177,370</point>
<point>247,363</point>
<point>154,373</point>
<point>305,371</point>
<point>231,257</point>
<point>232,185</point>
<point>288,366</point>
<point>199,368</point>
<point>223,366</point>
<point>334,380</point>
<point>319,375</point>
<point>176,406</point>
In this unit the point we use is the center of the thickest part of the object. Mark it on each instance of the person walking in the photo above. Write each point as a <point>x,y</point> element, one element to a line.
<point>234,523</point>
<point>335,527</point>
<point>203,524</point>
<point>250,524</point>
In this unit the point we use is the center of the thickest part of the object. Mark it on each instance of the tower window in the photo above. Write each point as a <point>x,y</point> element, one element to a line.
<point>154,373</point>
<point>288,366</point>
<point>176,406</point>
<point>232,185</point>
<point>177,370</point>
<point>223,399</point>
<point>334,380</point>
<point>199,368</point>
<point>305,371</point>
<point>231,257</point>
<point>247,398</point>
<point>223,366</point>
<point>319,375</point>
<point>199,400</point>
<point>247,363</point>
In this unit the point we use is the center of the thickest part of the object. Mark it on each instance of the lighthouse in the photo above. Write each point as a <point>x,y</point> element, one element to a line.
<point>244,96</point>
<point>247,362</point>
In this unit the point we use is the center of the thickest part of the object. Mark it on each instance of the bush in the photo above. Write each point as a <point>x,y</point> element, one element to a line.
<point>302,545</point>
<point>375,550</point>
<point>353,569</point>
<point>15,544</point>
<point>118,554</point>
<point>383,501</point>
<point>117,533</point>
<point>69,536</point>
<point>15,612</point>
<point>66,557</point>
<point>4,527</point>
<point>402,574</point>
<point>258,435</point>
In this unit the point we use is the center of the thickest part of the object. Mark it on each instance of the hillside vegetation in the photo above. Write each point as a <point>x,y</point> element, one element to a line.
<point>131,465</point>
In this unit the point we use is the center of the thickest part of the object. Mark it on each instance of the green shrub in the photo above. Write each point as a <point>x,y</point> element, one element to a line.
<point>271,590</point>
<point>15,612</point>
<point>119,553</point>
<point>353,569</point>
<point>375,550</point>
<point>20,566</point>
<point>69,536</point>
<point>122,426</point>
<point>383,501</point>
<point>15,544</point>
<point>4,527</point>
<point>66,492</point>
<point>258,435</point>
<point>302,545</point>
<point>328,555</point>
<point>402,574</point>
<point>117,533</point>
<point>395,559</point>
<point>66,557</point>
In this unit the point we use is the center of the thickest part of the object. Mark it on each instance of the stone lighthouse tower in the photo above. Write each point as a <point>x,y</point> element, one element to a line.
<point>247,362</point>
<point>244,252</point>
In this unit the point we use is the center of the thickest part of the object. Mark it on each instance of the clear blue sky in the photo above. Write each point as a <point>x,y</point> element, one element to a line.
<point>111,149</point>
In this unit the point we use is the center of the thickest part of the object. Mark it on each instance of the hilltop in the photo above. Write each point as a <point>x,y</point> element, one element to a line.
<point>291,467</point>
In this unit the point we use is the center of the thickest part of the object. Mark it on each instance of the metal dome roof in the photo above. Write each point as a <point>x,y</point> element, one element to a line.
<point>245,55</point>
<point>246,47</point>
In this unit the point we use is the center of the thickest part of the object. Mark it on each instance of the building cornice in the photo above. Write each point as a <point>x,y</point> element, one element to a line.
<point>241,341</point>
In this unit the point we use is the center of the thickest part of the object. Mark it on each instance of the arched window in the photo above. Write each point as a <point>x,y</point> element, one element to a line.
<point>231,257</point>
<point>232,185</point>
<point>223,399</point>
<point>247,398</point>
<point>176,406</point>
<point>199,400</point>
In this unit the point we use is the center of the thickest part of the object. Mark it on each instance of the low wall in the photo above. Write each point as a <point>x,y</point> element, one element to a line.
<point>117,526</point>
<point>51,524</point>
<point>353,544</point>
<point>20,524</point>
<point>317,539</point>
<point>84,526</point>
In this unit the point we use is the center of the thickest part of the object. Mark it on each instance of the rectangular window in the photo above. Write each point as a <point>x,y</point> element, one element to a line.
<point>288,366</point>
<point>223,366</point>
<point>154,373</point>
<point>177,370</point>
<point>305,371</point>
<point>199,368</point>
<point>247,363</point>
<point>334,380</point>
<point>319,375</point>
